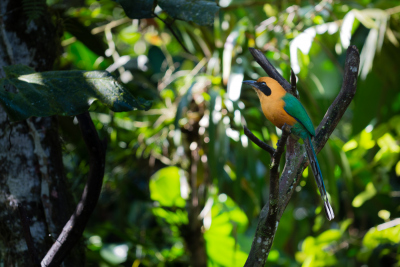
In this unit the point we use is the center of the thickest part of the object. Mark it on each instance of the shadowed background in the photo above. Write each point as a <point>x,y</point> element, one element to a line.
<point>183,184</point>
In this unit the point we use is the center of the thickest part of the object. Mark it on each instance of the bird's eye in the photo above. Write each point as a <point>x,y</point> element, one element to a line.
<point>263,83</point>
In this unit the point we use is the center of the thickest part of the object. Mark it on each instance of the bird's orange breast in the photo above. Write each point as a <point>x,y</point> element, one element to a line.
<point>273,109</point>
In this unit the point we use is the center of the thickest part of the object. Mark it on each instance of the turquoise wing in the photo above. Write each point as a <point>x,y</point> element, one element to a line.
<point>295,109</point>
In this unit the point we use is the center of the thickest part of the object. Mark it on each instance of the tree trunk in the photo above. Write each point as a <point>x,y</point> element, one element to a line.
<point>32,180</point>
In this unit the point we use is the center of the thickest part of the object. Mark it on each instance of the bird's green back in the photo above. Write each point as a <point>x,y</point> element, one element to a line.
<point>295,109</point>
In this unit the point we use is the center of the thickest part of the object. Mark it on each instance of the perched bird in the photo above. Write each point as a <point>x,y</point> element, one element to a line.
<point>280,107</point>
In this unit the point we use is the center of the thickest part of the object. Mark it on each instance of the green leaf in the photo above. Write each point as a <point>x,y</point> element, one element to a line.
<point>199,11</point>
<point>329,236</point>
<point>369,193</point>
<point>167,186</point>
<point>137,9</point>
<point>221,247</point>
<point>377,237</point>
<point>178,217</point>
<point>25,93</point>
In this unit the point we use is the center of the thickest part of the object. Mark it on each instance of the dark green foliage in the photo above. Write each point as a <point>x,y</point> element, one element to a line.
<point>201,12</point>
<point>138,9</point>
<point>26,93</point>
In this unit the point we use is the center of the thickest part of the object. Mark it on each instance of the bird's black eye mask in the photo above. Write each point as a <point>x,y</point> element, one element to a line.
<point>263,87</point>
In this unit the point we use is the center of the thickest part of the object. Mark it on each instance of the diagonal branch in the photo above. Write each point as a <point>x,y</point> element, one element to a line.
<point>73,229</point>
<point>269,69</point>
<point>268,224</point>
<point>258,142</point>
<point>296,160</point>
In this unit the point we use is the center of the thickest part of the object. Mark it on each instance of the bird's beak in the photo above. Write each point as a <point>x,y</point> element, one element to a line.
<point>253,84</point>
<point>259,86</point>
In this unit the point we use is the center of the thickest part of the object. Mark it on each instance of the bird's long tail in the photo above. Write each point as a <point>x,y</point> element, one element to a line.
<point>312,157</point>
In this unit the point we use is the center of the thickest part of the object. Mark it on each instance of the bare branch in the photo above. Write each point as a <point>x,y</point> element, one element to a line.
<point>258,142</point>
<point>73,229</point>
<point>269,69</point>
<point>268,224</point>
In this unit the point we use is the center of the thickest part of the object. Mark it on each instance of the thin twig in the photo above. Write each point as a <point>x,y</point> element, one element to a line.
<point>258,142</point>
<point>27,234</point>
<point>269,220</point>
<point>173,33</point>
<point>73,229</point>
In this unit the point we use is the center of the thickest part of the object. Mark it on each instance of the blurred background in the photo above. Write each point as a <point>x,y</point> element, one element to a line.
<point>183,184</point>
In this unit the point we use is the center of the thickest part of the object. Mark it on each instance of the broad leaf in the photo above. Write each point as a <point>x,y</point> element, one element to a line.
<point>137,9</point>
<point>199,11</point>
<point>168,186</point>
<point>24,93</point>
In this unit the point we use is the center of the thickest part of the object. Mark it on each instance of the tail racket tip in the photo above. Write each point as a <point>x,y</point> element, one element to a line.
<point>328,210</point>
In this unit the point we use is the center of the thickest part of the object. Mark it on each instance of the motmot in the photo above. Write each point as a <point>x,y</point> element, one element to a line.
<point>280,107</point>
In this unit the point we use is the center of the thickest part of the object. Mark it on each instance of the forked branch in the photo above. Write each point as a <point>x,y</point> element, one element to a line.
<point>296,160</point>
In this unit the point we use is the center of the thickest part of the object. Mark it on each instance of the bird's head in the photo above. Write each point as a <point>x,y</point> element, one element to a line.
<point>266,86</point>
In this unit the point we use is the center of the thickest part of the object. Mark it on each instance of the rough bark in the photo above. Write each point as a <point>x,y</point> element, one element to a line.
<point>31,170</point>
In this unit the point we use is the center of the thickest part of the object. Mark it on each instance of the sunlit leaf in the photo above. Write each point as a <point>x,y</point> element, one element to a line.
<point>369,193</point>
<point>234,38</point>
<point>273,255</point>
<point>346,29</point>
<point>178,217</point>
<point>374,238</point>
<point>64,93</point>
<point>384,214</point>
<point>221,246</point>
<point>398,168</point>
<point>235,83</point>
<point>345,224</point>
<point>329,236</point>
<point>388,154</point>
<point>165,187</point>
<point>352,144</point>
<point>376,20</point>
